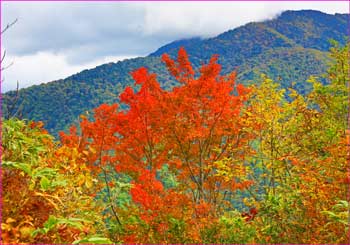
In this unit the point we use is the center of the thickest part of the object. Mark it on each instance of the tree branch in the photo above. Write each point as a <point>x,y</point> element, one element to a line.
<point>8,26</point>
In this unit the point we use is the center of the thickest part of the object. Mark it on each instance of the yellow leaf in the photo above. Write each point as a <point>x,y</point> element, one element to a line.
<point>26,231</point>
<point>10,220</point>
<point>88,183</point>
<point>5,227</point>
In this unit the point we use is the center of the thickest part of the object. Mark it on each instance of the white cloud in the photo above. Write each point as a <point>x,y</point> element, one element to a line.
<point>44,67</point>
<point>186,19</point>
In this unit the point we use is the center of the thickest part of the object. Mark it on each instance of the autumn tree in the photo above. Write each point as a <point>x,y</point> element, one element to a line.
<point>300,163</point>
<point>46,192</point>
<point>187,129</point>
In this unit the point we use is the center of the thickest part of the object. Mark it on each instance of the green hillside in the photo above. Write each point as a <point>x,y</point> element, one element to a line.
<point>288,49</point>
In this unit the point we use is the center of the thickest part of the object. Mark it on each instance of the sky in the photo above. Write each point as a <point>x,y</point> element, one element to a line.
<point>53,40</point>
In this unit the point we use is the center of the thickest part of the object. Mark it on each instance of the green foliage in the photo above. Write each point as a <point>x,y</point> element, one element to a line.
<point>94,240</point>
<point>53,222</point>
<point>22,143</point>
<point>339,214</point>
<point>167,177</point>
<point>235,229</point>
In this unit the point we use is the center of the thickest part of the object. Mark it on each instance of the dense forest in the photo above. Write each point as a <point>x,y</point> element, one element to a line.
<point>207,161</point>
<point>288,49</point>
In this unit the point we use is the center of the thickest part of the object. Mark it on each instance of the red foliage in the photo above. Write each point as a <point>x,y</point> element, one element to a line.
<point>179,128</point>
<point>248,216</point>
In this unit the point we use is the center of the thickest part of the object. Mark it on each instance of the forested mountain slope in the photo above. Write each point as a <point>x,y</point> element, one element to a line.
<point>289,49</point>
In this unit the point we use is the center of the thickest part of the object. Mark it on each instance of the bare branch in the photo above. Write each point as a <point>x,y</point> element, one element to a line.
<point>13,103</point>
<point>8,26</point>
<point>4,68</point>
<point>3,57</point>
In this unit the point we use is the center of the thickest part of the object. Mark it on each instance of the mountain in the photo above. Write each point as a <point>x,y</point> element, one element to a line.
<point>289,49</point>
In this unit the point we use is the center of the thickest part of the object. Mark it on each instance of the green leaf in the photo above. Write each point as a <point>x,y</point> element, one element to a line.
<point>45,172</point>
<point>25,167</point>
<point>330,214</point>
<point>51,222</point>
<point>73,222</point>
<point>59,183</point>
<point>44,183</point>
<point>341,205</point>
<point>93,240</point>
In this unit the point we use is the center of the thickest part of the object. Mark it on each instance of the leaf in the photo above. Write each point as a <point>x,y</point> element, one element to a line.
<point>44,183</point>
<point>73,222</point>
<point>25,167</point>
<point>93,240</point>
<point>53,221</point>
<point>330,214</point>
<point>342,204</point>
<point>47,172</point>
<point>10,220</point>
<point>50,224</point>
<point>59,183</point>
<point>88,183</point>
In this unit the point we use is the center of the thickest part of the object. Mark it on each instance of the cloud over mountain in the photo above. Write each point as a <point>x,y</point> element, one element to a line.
<point>77,34</point>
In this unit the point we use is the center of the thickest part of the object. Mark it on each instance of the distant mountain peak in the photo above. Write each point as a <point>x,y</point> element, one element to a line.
<point>313,15</point>
<point>309,12</point>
